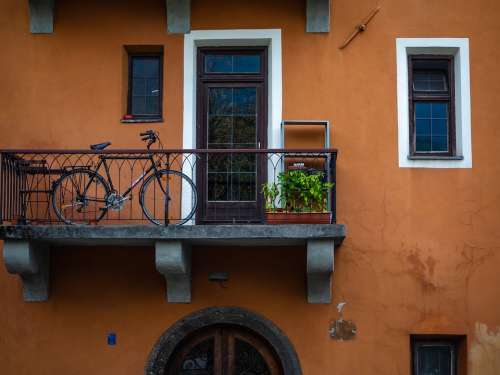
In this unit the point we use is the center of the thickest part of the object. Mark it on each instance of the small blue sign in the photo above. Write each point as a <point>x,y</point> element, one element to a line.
<point>111,339</point>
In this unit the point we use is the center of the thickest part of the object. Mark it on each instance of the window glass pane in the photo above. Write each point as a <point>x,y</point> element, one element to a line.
<point>217,63</point>
<point>431,127</point>
<point>423,143</point>
<point>434,360</point>
<point>232,123</point>
<point>220,129</point>
<point>146,86</point>
<point>200,360</point>
<point>245,100</point>
<point>247,360</point>
<point>429,81</point>
<point>218,186</point>
<point>138,105</point>
<point>146,67</point>
<point>246,64</point>
<point>139,87</point>
<point>152,105</point>
<point>220,101</point>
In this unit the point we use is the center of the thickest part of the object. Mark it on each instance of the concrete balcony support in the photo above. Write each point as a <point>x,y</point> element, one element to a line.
<point>320,263</point>
<point>41,16</point>
<point>318,16</point>
<point>173,261</point>
<point>31,261</point>
<point>178,16</point>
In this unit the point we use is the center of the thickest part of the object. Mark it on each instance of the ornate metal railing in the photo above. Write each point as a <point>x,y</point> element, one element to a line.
<point>164,186</point>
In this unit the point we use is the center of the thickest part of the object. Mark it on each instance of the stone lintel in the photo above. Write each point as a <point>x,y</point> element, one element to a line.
<point>178,16</point>
<point>31,261</point>
<point>173,261</point>
<point>41,16</point>
<point>318,16</point>
<point>320,264</point>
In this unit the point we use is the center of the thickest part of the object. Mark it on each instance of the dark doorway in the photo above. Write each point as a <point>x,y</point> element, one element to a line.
<point>224,350</point>
<point>231,114</point>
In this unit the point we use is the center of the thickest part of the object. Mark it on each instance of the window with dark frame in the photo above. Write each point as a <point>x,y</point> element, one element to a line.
<point>435,356</point>
<point>145,87</point>
<point>432,109</point>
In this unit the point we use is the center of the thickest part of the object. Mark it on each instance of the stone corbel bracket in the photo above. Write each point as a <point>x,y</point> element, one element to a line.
<point>178,16</point>
<point>173,261</point>
<point>31,261</point>
<point>318,16</point>
<point>41,16</point>
<point>320,264</point>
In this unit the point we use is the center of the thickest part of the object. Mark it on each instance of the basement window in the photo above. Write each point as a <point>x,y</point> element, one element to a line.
<point>437,355</point>
<point>145,84</point>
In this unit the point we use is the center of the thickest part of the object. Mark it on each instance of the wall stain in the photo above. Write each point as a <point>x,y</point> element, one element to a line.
<point>484,355</point>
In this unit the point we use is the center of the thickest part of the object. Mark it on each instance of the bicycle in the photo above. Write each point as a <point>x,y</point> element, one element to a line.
<point>84,196</point>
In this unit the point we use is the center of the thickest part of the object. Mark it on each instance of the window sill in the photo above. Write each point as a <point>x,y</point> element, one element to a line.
<point>140,120</point>
<point>416,157</point>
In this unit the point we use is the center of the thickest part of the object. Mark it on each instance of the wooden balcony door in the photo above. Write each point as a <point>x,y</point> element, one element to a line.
<point>231,114</point>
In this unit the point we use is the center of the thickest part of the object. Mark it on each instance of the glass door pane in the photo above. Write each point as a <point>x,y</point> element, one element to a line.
<point>232,124</point>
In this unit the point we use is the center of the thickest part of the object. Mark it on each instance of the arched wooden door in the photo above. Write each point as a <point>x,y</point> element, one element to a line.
<point>224,351</point>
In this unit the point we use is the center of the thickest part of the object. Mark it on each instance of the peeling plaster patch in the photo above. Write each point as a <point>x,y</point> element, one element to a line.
<point>485,351</point>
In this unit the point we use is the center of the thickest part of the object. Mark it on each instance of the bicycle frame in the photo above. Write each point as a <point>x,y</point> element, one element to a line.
<point>102,162</point>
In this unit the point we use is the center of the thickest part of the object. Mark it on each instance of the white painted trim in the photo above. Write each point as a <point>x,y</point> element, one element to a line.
<point>244,37</point>
<point>459,47</point>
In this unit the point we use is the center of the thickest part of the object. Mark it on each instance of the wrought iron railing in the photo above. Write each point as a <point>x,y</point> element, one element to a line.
<point>165,186</point>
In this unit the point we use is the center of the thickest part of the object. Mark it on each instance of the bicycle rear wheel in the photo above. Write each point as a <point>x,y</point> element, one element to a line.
<point>168,198</point>
<point>79,197</point>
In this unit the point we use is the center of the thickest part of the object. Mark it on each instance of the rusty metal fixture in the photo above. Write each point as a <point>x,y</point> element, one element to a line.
<point>360,28</point>
<point>342,330</point>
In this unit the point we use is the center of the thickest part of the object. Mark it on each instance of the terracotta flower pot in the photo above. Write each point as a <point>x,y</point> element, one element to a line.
<point>281,217</point>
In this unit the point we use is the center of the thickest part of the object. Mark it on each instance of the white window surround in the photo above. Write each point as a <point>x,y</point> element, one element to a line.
<point>241,37</point>
<point>459,48</point>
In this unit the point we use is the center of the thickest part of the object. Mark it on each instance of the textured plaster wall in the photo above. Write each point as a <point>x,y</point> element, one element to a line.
<point>422,252</point>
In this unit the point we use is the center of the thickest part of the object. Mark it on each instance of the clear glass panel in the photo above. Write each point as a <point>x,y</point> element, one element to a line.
<point>423,143</point>
<point>139,87</point>
<point>232,124</point>
<point>216,63</point>
<point>146,67</point>
<point>246,64</point>
<point>244,134</point>
<point>138,105</point>
<point>218,186</point>
<point>220,101</point>
<point>220,131</point>
<point>429,81</point>
<point>152,105</point>
<point>248,361</point>
<point>434,360</point>
<point>200,360</point>
<point>431,126</point>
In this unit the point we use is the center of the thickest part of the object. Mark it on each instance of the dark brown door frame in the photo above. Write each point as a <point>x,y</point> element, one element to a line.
<point>206,80</point>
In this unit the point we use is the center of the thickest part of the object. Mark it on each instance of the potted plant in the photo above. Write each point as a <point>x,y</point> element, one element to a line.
<point>298,196</point>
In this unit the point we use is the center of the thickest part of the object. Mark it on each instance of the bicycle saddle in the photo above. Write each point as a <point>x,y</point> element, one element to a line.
<point>99,146</point>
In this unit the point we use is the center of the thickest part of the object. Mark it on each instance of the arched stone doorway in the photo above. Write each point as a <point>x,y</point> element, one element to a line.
<point>221,340</point>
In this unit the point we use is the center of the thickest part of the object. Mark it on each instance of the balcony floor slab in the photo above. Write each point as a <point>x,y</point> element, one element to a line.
<point>198,235</point>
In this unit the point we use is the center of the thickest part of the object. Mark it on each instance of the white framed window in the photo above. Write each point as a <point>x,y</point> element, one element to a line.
<point>419,134</point>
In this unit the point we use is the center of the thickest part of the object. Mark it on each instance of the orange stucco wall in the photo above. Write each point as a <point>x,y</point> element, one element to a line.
<point>422,251</point>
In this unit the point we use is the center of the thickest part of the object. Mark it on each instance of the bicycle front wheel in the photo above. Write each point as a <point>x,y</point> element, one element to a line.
<point>168,198</point>
<point>79,197</point>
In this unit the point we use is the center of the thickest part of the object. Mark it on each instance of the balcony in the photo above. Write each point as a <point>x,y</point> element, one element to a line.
<point>169,199</point>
